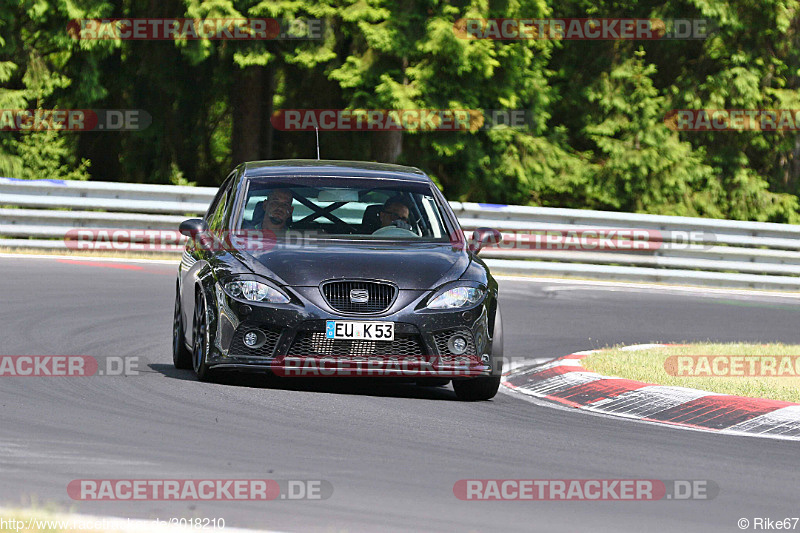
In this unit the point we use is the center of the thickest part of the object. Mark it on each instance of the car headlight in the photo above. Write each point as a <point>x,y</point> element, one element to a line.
<point>457,297</point>
<point>255,291</point>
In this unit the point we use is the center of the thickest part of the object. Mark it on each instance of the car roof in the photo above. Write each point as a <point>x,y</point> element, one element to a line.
<point>324,168</point>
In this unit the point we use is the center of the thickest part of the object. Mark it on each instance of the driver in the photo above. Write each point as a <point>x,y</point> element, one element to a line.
<point>277,210</point>
<point>394,219</point>
<point>394,209</point>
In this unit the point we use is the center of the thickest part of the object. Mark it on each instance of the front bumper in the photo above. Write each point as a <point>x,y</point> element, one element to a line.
<point>291,339</point>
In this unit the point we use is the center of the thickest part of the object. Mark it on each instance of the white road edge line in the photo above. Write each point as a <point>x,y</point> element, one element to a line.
<point>93,259</point>
<point>649,286</point>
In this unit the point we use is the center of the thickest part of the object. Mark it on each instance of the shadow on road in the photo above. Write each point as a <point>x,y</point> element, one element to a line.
<point>386,387</point>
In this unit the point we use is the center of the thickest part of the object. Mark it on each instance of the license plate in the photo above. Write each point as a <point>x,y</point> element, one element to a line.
<point>370,331</point>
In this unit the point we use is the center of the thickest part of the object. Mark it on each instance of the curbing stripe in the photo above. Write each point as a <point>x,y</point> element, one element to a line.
<point>601,389</point>
<point>560,382</point>
<point>718,412</point>
<point>553,380</point>
<point>566,381</point>
<point>537,374</point>
<point>648,400</point>
<point>785,421</point>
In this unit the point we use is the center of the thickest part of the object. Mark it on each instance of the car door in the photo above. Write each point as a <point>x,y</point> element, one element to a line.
<point>195,264</point>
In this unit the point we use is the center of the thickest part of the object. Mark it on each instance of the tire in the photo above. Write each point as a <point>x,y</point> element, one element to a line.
<point>476,389</point>
<point>485,388</point>
<point>181,356</point>
<point>497,344</point>
<point>200,339</point>
<point>432,382</point>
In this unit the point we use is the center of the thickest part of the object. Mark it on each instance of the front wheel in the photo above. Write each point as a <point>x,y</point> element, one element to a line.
<point>476,389</point>
<point>200,339</point>
<point>485,388</point>
<point>181,356</point>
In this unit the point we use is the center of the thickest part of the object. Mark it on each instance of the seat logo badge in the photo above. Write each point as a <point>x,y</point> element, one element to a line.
<point>359,296</point>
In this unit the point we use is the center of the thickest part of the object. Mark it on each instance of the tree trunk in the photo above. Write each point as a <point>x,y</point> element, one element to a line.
<point>267,96</point>
<point>386,146</point>
<point>246,96</point>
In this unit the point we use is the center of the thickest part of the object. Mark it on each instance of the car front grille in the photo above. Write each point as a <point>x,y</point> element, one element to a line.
<point>315,344</point>
<point>380,296</point>
<point>238,347</point>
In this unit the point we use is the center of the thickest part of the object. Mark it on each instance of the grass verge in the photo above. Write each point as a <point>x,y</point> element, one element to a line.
<point>755,370</point>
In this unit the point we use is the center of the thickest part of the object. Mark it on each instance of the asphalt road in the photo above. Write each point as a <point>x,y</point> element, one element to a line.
<point>392,452</point>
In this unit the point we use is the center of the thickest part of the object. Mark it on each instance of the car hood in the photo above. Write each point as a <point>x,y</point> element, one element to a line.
<point>418,266</point>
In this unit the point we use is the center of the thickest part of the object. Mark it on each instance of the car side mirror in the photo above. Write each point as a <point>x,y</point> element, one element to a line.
<point>483,236</point>
<point>193,226</point>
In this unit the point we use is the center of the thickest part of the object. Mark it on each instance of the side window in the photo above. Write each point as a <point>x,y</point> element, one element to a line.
<point>217,216</point>
<point>223,191</point>
<point>429,205</point>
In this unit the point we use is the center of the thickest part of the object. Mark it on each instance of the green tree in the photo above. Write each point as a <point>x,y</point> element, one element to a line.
<point>34,73</point>
<point>643,166</point>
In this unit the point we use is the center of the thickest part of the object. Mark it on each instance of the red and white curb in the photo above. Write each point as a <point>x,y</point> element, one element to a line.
<point>566,381</point>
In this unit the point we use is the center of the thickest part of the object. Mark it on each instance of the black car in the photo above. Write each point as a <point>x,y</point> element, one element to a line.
<point>337,268</point>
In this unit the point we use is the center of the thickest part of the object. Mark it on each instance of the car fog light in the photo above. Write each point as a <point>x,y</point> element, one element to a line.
<point>251,339</point>
<point>457,344</point>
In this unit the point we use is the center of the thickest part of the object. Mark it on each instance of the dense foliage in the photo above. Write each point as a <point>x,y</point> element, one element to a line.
<point>597,138</point>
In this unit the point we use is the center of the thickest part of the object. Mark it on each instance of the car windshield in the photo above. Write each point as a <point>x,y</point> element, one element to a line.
<point>344,208</point>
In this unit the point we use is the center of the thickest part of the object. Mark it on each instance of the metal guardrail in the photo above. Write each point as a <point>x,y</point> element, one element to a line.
<point>710,252</point>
